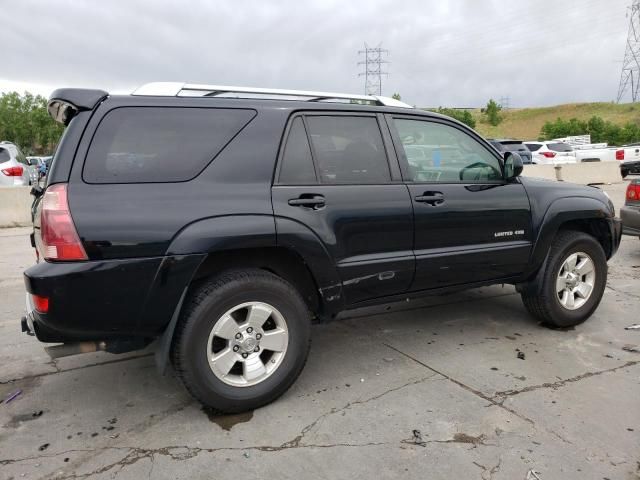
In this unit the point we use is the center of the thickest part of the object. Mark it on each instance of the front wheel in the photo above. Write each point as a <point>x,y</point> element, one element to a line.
<point>572,284</point>
<point>242,340</point>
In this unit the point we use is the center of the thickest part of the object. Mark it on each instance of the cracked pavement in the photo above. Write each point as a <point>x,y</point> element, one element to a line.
<point>426,389</point>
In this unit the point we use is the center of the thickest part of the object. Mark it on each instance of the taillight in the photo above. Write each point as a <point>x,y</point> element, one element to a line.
<point>548,154</point>
<point>633,192</point>
<point>13,171</point>
<point>41,304</point>
<point>619,154</point>
<point>60,240</point>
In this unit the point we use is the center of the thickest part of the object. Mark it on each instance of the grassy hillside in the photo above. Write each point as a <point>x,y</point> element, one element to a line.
<point>525,123</point>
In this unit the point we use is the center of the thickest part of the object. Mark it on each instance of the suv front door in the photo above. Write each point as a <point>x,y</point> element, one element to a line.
<point>470,224</point>
<point>334,179</point>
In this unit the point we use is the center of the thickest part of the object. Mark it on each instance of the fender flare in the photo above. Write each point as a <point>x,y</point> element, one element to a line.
<point>559,212</point>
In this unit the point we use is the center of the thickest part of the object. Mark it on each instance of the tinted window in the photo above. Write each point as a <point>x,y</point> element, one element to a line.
<point>497,145</point>
<point>348,149</point>
<point>515,147</point>
<point>559,147</point>
<point>4,155</point>
<point>297,165</point>
<point>533,146</point>
<point>159,144</point>
<point>441,153</point>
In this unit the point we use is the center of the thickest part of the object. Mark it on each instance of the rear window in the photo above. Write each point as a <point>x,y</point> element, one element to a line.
<point>4,155</point>
<point>150,144</point>
<point>559,147</point>
<point>515,147</point>
<point>534,147</point>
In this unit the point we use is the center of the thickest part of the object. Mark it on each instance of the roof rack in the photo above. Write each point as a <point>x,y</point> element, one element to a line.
<point>177,89</point>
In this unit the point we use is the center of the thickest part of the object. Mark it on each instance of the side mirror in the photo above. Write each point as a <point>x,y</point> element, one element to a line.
<point>512,165</point>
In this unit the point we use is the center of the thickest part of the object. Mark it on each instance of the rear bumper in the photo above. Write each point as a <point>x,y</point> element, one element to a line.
<point>632,167</point>
<point>630,220</point>
<point>98,300</point>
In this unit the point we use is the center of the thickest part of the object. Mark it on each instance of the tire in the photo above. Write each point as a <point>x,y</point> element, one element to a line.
<point>624,173</point>
<point>545,302</point>
<point>204,317</point>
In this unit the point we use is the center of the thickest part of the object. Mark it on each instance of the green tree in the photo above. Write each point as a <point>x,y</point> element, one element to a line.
<point>24,120</point>
<point>601,131</point>
<point>492,112</point>
<point>463,116</point>
<point>396,96</point>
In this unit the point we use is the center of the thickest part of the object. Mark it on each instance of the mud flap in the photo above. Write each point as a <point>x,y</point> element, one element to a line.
<point>164,346</point>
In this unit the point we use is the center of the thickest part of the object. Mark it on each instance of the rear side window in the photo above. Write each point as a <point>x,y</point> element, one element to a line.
<point>348,149</point>
<point>4,155</point>
<point>559,147</point>
<point>534,147</point>
<point>149,144</point>
<point>297,164</point>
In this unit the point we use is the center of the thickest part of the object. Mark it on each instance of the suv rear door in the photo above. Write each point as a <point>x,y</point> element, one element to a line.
<point>470,225</point>
<point>334,178</point>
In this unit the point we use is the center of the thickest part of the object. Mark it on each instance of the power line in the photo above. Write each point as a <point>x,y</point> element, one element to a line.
<point>374,58</point>
<point>630,75</point>
<point>504,102</point>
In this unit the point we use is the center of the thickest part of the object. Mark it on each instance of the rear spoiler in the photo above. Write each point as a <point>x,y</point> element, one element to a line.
<point>65,103</point>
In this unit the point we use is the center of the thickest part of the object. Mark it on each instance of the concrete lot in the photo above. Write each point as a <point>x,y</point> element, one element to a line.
<point>430,390</point>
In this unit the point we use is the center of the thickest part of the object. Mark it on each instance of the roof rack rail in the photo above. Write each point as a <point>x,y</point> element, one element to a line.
<point>177,89</point>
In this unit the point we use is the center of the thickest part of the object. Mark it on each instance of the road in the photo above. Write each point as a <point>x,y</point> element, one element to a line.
<point>430,389</point>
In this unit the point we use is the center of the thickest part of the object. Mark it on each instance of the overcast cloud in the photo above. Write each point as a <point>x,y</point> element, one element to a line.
<point>449,53</point>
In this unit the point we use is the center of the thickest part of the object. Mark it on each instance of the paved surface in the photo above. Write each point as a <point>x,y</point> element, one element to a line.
<point>429,390</point>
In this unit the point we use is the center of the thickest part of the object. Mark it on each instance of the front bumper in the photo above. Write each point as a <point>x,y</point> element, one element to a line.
<point>630,216</point>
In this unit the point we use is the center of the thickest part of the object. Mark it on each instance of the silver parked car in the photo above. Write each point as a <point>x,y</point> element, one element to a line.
<point>15,169</point>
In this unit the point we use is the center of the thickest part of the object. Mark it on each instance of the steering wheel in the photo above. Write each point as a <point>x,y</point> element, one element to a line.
<point>479,165</point>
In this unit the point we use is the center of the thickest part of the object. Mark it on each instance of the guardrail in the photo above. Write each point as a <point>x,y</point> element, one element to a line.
<point>15,206</point>
<point>585,173</point>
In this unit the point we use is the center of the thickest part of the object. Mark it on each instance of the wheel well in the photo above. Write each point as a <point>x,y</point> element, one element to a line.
<point>596,227</point>
<point>277,260</point>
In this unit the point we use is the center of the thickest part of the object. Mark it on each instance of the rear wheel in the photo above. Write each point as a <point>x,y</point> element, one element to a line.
<point>573,283</point>
<point>242,340</point>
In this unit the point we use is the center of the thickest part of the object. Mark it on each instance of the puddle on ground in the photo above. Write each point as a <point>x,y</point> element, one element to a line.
<point>227,422</point>
<point>17,420</point>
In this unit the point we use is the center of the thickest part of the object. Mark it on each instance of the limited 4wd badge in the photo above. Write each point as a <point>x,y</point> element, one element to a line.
<point>509,233</point>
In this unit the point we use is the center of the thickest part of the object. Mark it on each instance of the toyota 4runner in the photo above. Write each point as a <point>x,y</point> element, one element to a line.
<point>221,220</point>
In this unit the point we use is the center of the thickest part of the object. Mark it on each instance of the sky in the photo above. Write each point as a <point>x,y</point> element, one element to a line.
<point>456,53</point>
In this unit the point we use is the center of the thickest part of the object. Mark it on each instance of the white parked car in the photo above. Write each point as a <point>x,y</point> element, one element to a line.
<point>15,169</point>
<point>551,153</point>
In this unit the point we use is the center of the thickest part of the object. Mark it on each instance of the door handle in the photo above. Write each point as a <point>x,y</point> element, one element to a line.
<point>432,198</point>
<point>307,200</point>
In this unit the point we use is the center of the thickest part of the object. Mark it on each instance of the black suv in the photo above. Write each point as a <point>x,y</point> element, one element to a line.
<point>222,225</point>
<point>509,145</point>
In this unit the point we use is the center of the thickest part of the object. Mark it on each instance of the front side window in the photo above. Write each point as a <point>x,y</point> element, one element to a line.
<point>348,149</point>
<point>440,153</point>
<point>151,144</point>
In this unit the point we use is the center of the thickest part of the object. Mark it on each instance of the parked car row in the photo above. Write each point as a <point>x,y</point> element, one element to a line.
<point>554,152</point>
